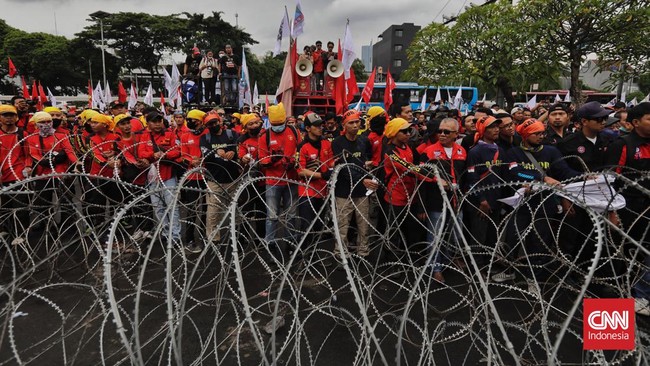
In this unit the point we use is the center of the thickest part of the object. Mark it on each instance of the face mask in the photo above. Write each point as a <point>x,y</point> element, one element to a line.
<point>88,127</point>
<point>45,129</point>
<point>215,129</point>
<point>278,129</point>
<point>56,122</point>
<point>191,124</point>
<point>255,131</point>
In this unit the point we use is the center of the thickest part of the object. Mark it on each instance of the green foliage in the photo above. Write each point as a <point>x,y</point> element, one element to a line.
<point>140,39</point>
<point>266,71</point>
<point>359,70</point>
<point>489,44</point>
<point>613,29</point>
<point>644,83</point>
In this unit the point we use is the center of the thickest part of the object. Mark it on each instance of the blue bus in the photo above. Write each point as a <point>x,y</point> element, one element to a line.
<point>412,92</point>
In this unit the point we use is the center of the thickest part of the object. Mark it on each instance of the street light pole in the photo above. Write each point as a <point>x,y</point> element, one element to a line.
<point>100,15</point>
<point>101,28</point>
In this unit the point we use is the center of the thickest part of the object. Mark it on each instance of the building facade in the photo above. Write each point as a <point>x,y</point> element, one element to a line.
<point>390,52</point>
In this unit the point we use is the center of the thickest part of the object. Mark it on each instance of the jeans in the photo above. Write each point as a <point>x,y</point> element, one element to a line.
<point>275,196</point>
<point>161,201</point>
<point>434,223</point>
<point>218,199</point>
<point>230,90</point>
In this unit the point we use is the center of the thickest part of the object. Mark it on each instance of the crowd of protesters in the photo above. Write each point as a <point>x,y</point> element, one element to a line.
<point>417,168</point>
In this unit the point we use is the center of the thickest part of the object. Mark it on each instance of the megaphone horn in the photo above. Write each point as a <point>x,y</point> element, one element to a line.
<point>335,68</point>
<point>304,68</point>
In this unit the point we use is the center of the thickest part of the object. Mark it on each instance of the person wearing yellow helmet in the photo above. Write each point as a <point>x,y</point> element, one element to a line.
<point>15,166</point>
<point>162,151</point>
<point>193,198</point>
<point>51,153</point>
<point>104,169</point>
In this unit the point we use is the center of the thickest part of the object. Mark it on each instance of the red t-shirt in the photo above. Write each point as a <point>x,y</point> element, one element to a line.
<point>166,142</point>
<point>190,149</point>
<point>376,145</point>
<point>278,155</point>
<point>400,184</point>
<point>129,150</point>
<point>58,143</point>
<point>323,159</point>
<point>100,147</point>
<point>13,156</point>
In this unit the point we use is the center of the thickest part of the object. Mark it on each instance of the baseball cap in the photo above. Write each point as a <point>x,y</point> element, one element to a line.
<point>592,110</point>
<point>313,119</point>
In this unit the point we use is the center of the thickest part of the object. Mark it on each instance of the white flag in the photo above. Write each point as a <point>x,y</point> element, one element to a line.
<point>179,100</point>
<point>423,105</point>
<point>98,97</point>
<point>483,100</point>
<point>458,99</point>
<point>646,99</point>
<point>244,82</point>
<point>133,97</point>
<point>174,94</point>
<point>282,31</point>
<point>348,51</point>
<point>611,103</point>
<point>623,95</point>
<point>256,95</point>
<point>108,98</point>
<point>438,96</point>
<point>168,80</point>
<point>567,98</point>
<point>298,21</point>
<point>633,102</point>
<point>148,98</point>
<point>51,97</point>
<point>358,106</point>
<point>557,98</point>
<point>532,102</point>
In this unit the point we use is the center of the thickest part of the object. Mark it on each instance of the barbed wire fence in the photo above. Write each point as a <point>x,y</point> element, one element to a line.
<point>81,288</point>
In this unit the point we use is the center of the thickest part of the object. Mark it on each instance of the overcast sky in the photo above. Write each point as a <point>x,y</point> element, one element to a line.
<point>324,20</point>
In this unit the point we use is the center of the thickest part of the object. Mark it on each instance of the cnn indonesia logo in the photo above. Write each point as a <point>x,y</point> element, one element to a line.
<point>608,324</point>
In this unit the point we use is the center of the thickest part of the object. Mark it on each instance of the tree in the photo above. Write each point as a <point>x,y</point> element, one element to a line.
<point>41,56</point>
<point>489,43</point>
<point>359,70</point>
<point>267,71</point>
<point>574,29</point>
<point>141,39</point>
<point>214,33</point>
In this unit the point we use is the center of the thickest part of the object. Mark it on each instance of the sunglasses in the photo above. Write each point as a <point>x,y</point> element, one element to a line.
<point>221,114</point>
<point>599,119</point>
<point>446,132</point>
<point>9,114</point>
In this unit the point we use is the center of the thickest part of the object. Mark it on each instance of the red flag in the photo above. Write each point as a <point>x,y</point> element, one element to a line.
<point>121,92</point>
<point>90,95</point>
<point>388,95</point>
<point>34,91</point>
<point>25,88</point>
<point>12,68</point>
<point>42,97</point>
<point>339,88</point>
<point>41,92</point>
<point>352,87</point>
<point>162,101</point>
<point>370,85</point>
